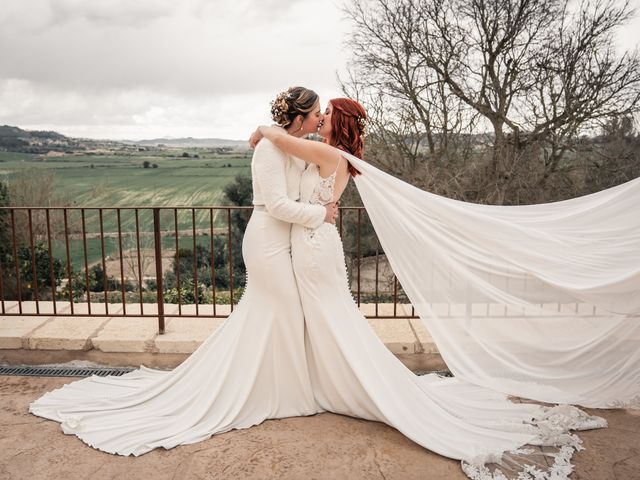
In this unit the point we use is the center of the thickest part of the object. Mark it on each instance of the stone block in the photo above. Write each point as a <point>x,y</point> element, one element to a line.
<point>66,333</point>
<point>586,309</point>
<point>425,341</point>
<point>184,335</point>
<point>550,309</point>
<point>441,309</point>
<point>497,310</point>
<point>396,334</point>
<point>517,312</point>
<point>15,330</point>
<point>458,309</point>
<point>480,309</point>
<point>127,334</point>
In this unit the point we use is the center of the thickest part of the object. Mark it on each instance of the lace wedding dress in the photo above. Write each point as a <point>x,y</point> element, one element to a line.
<point>353,373</point>
<point>251,369</point>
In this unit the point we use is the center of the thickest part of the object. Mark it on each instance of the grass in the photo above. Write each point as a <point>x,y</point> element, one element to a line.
<point>119,180</point>
<point>111,248</point>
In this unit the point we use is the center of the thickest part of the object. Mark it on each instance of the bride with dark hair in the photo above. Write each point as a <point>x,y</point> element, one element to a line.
<point>253,367</point>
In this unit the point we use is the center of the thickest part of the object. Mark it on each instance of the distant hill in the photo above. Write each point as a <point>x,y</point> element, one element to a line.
<point>39,141</point>
<point>187,142</point>
<point>32,141</point>
<point>7,131</point>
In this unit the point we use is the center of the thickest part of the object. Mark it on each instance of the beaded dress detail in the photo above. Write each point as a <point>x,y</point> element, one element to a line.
<point>322,189</point>
<point>323,193</point>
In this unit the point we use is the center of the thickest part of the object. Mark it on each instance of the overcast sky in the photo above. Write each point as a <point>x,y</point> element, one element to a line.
<point>167,68</point>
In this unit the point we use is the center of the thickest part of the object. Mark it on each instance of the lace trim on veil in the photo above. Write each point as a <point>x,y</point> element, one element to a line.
<point>547,457</point>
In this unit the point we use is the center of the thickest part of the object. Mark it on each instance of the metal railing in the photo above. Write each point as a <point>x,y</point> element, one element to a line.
<point>88,237</point>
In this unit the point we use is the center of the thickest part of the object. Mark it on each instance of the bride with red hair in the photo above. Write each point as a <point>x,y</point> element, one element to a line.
<point>353,373</point>
<point>515,281</point>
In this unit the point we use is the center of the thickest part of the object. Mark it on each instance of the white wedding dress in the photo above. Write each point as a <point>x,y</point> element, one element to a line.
<point>252,368</point>
<point>353,373</point>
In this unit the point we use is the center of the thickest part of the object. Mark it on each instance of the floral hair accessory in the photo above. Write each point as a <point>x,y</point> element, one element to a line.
<point>364,124</point>
<point>280,105</point>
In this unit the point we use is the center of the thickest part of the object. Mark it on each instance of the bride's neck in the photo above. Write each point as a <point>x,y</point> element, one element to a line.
<point>295,132</point>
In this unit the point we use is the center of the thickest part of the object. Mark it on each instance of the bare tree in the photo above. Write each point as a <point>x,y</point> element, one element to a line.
<point>143,247</point>
<point>535,72</point>
<point>414,118</point>
<point>581,80</point>
<point>36,188</point>
<point>615,158</point>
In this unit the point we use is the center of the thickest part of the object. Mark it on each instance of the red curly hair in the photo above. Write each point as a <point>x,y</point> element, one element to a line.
<point>347,128</point>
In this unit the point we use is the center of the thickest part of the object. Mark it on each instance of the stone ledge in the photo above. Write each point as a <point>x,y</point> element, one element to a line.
<point>138,335</point>
<point>183,335</point>
<point>126,334</point>
<point>15,331</point>
<point>66,333</point>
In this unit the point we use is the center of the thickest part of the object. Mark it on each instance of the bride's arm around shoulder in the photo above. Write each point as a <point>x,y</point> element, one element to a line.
<point>310,151</point>
<point>268,149</point>
<point>268,167</point>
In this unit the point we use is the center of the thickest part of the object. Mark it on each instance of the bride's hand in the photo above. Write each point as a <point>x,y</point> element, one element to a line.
<point>255,138</point>
<point>331,213</point>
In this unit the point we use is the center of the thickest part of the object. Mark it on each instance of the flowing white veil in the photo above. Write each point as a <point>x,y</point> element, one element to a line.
<point>538,301</point>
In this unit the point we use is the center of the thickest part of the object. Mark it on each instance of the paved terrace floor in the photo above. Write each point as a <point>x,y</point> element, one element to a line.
<point>324,446</point>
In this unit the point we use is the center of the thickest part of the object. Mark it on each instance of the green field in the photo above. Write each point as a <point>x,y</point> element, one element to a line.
<point>121,181</point>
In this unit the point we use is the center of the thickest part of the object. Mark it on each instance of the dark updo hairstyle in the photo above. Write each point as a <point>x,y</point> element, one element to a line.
<point>292,102</point>
<point>348,122</point>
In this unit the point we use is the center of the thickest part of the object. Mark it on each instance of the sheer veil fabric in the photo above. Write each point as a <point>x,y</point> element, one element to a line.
<point>538,301</point>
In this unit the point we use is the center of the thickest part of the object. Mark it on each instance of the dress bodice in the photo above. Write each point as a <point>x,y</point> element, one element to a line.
<point>314,189</point>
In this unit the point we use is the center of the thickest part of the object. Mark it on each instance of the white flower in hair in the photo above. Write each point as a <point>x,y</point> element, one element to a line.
<point>364,124</point>
<point>280,105</point>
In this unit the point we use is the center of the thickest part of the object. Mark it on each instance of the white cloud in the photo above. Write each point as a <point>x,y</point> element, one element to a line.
<point>122,68</point>
<point>161,66</point>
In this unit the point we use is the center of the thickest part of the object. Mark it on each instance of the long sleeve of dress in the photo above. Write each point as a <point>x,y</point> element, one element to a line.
<point>270,187</point>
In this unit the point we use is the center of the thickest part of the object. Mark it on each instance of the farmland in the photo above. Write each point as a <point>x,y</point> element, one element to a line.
<point>121,180</point>
<point>117,177</point>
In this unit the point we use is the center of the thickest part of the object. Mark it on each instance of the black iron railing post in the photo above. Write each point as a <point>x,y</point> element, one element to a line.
<point>158,254</point>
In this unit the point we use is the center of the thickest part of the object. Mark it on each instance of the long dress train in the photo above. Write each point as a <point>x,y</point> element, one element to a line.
<point>354,374</point>
<point>538,301</point>
<point>251,369</point>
